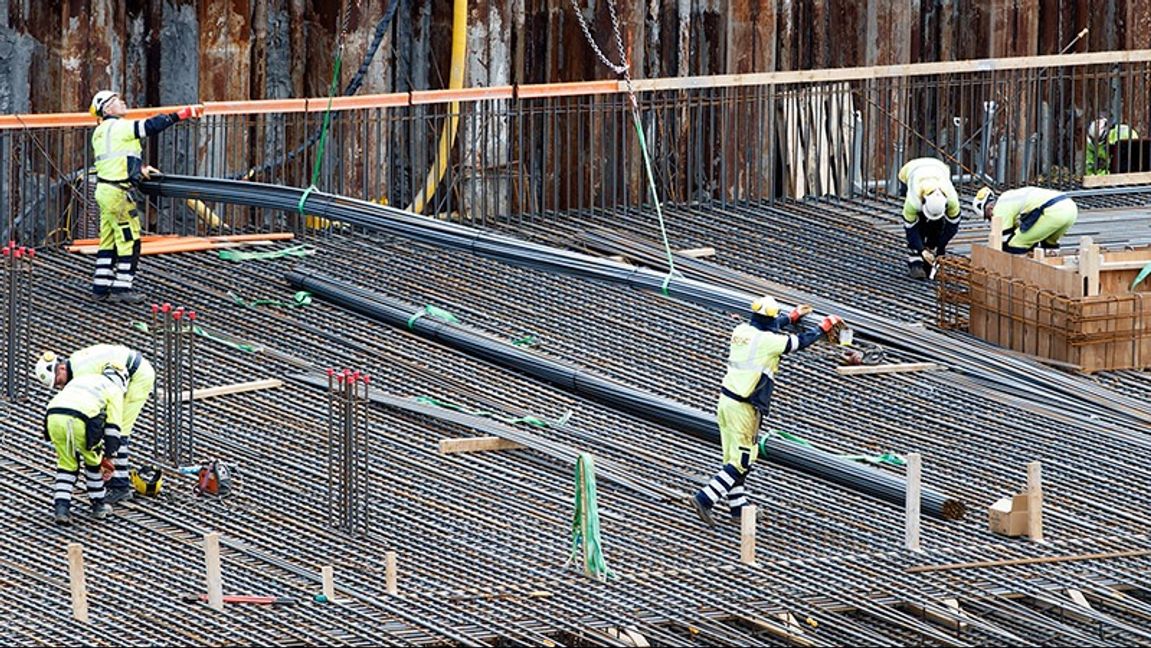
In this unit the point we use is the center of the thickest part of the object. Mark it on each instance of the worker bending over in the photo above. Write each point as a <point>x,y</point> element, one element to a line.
<point>931,212</point>
<point>55,371</point>
<point>1029,216</point>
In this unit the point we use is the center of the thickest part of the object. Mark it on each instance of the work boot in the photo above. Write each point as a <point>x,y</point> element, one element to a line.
<point>916,270</point>
<point>116,495</point>
<point>99,297</point>
<point>703,512</point>
<point>100,510</point>
<point>62,513</point>
<point>127,297</point>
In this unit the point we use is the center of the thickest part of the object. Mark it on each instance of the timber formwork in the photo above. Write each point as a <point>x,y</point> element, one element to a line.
<point>483,538</point>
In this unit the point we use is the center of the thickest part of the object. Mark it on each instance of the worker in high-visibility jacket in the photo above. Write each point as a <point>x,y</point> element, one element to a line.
<point>931,212</point>
<point>119,169</point>
<point>1028,216</point>
<point>55,371</point>
<point>745,396</point>
<point>1100,137</point>
<point>83,423</point>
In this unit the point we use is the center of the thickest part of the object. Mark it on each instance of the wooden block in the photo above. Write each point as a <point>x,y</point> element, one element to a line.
<point>390,573</point>
<point>995,235</point>
<point>1089,265</point>
<point>77,583</point>
<point>477,444</point>
<point>747,534</point>
<point>858,370</point>
<point>931,614</point>
<point>697,253</point>
<point>1035,501</point>
<point>912,502</point>
<point>212,567</point>
<point>329,587</point>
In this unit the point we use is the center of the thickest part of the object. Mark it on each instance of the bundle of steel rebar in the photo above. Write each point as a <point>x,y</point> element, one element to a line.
<point>624,397</point>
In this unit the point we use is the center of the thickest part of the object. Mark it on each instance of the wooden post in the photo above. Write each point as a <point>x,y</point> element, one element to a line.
<point>1089,264</point>
<point>329,583</point>
<point>747,534</point>
<point>76,578</point>
<point>911,508</point>
<point>390,573</point>
<point>212,564</point>
<point>1035,501</point>
<point>995,236</point>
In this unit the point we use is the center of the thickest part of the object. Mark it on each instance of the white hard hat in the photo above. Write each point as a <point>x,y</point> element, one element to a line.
<point>46,369</point>
<point>934,205</point>
<point>1097,128</point>
<point>765,305</point>
<point>980,201</point>
<point>100,101</point>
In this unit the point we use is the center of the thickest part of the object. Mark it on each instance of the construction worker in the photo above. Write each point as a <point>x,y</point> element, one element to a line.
<point>119,169</point>
<point>55,371</point>
<point>745,396</point>
<point>83,422</point>
<point>1100,137</point>
<point>931,212</point>
<point>1029,216</point>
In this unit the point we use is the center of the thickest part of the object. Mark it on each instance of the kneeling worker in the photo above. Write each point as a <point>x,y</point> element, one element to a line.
<point>1029,216</point>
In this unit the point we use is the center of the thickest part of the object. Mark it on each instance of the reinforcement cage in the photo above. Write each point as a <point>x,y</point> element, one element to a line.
<point>496,156</point>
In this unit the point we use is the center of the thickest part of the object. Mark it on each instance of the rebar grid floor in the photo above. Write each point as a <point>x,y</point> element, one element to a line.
<point>483,538</point>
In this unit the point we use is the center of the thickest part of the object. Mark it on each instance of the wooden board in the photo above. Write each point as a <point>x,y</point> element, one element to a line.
<point>477,444</point>
<point>1117,179</point>
<point>223,390</point>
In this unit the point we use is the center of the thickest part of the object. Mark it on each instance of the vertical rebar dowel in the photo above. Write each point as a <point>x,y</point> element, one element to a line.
<point>178,386</point>
<point>191,449</point>
<point>77,583</point>
<point>333,482</point>
<point>213,576</point>
<point>169,384</point>
<point>911,508</point>
<point>29,304</point>
<point>9,253</point>
<point>153,332</point>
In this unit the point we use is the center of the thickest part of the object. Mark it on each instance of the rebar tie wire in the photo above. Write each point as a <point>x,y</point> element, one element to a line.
<point>624,69</point>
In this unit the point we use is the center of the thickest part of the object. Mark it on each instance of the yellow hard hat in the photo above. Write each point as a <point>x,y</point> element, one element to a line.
<point>765,305</point>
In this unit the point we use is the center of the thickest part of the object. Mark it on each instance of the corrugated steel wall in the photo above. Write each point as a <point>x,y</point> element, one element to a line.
<point>55,54</point>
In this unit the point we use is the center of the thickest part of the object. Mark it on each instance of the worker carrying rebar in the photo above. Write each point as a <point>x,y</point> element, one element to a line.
<point>1028,216</point>
<point>1101,136</point>
<point>119,169</point>
<point>931,212</point>
<point>83,422</point>
<point>745,396</point>
<point>55,372</point>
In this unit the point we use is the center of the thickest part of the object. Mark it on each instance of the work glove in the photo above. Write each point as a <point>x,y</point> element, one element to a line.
<point>928,257</point>
<point>798,312</point>
<point>831,326</point>
<point>106,468</point>
<point>148,171</point>
<point>190,112</point>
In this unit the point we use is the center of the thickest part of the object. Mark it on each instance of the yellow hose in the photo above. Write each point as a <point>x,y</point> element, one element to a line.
<point>455,82</point>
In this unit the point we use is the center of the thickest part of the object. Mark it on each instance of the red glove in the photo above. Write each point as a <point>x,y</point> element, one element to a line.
<point>829,322</point>
<point>190,112</point>
<point>798,312</point>
<point>106,468</point>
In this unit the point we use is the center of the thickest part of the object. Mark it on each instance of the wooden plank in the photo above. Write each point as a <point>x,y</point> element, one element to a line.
<point>76,582</point>
<point>1089,261</point>
<point>1035,501</point>
<point>390,573</point>
<point>697,253</point>
<point>224,390</point>
<point>213,576</point>
<point>912,502</point>
<point>1130,553</point>
<point>1117,179</point>
<point>905,367</point>
<point>477,444</point>
<point>747,534</point>
<point>329,584</point>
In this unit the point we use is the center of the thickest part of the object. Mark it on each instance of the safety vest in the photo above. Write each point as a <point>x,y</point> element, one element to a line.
<point>112,144</point>
<point>1011,204</point>
<point>914,173</point>
<point>92,360</point>
<point>88,396</point>
<point>753,353</point>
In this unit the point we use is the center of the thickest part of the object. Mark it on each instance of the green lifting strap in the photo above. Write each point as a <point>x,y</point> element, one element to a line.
<point>585,522</point>
<point>200,331</point>
<point>308,191</point>
<point>327,118</point>
<point>294,251</point>
<point>1141,276</point>
<point>512,420</point>
<point>654,195</point>
<point>438,313</point>
<point>888,458</point>
<point>301,298</point>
